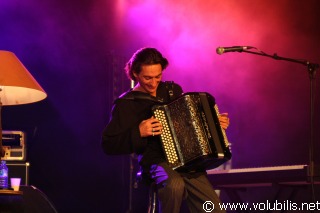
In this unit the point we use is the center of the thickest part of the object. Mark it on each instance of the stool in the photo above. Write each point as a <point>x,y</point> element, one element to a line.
<point>153,194</point>
<point>153,198</point>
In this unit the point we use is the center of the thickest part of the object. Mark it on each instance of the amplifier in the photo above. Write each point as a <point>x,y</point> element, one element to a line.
<point>20,170</point>
<point>14,145</point>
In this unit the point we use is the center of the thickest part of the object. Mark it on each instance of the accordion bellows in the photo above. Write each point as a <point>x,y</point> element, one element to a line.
<point>192,138</point>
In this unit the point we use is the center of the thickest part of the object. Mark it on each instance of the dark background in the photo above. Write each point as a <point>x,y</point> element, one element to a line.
<point>77,49</point>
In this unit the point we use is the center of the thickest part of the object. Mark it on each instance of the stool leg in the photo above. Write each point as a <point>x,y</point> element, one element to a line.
<point>153,199</point>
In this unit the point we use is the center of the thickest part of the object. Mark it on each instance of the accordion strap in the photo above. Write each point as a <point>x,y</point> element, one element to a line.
<point>169,87</point>
<point>138,96</point>
<point>129,95</point>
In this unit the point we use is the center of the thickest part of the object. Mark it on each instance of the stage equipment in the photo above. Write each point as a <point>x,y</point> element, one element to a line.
<point>221,50</point>
<point>313,168</point>
<point>14,145</point>
<point>192,137</point>
<point>260,176</point>
<point>17,86</point>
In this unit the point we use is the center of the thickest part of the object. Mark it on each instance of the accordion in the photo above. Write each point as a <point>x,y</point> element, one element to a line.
<point>192,138</point>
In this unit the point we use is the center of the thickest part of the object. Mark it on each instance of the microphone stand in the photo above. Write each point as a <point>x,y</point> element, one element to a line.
<point>311,67</point>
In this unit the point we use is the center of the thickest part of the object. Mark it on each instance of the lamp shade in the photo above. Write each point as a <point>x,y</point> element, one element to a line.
<point>17,86</point>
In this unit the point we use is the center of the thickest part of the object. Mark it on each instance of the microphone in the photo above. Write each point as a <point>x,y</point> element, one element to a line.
<point>221,50</point>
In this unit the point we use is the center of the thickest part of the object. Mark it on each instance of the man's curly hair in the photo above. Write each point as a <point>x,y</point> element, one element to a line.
<point>144,56</point>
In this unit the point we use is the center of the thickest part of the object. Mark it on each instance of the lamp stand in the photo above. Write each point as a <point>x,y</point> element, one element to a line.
<point>1,148</point>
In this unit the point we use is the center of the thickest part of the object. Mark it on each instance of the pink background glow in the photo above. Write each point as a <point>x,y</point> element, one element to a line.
<point>268,100</point>
<point>73,49</point>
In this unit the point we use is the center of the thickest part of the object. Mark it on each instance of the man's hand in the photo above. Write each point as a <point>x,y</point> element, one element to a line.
<point>224,120</point>
<point>150,127</point>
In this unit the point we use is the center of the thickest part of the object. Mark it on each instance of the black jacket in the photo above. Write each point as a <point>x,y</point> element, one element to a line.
<point>122,135</point>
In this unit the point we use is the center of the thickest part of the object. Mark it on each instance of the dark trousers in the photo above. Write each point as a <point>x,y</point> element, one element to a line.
<point>174,188</point>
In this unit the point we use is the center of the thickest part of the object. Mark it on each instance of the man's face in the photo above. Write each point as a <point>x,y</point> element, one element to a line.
<point>149,78</point>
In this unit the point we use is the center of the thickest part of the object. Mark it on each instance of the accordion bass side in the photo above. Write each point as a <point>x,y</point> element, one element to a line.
<point>192,138</point>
